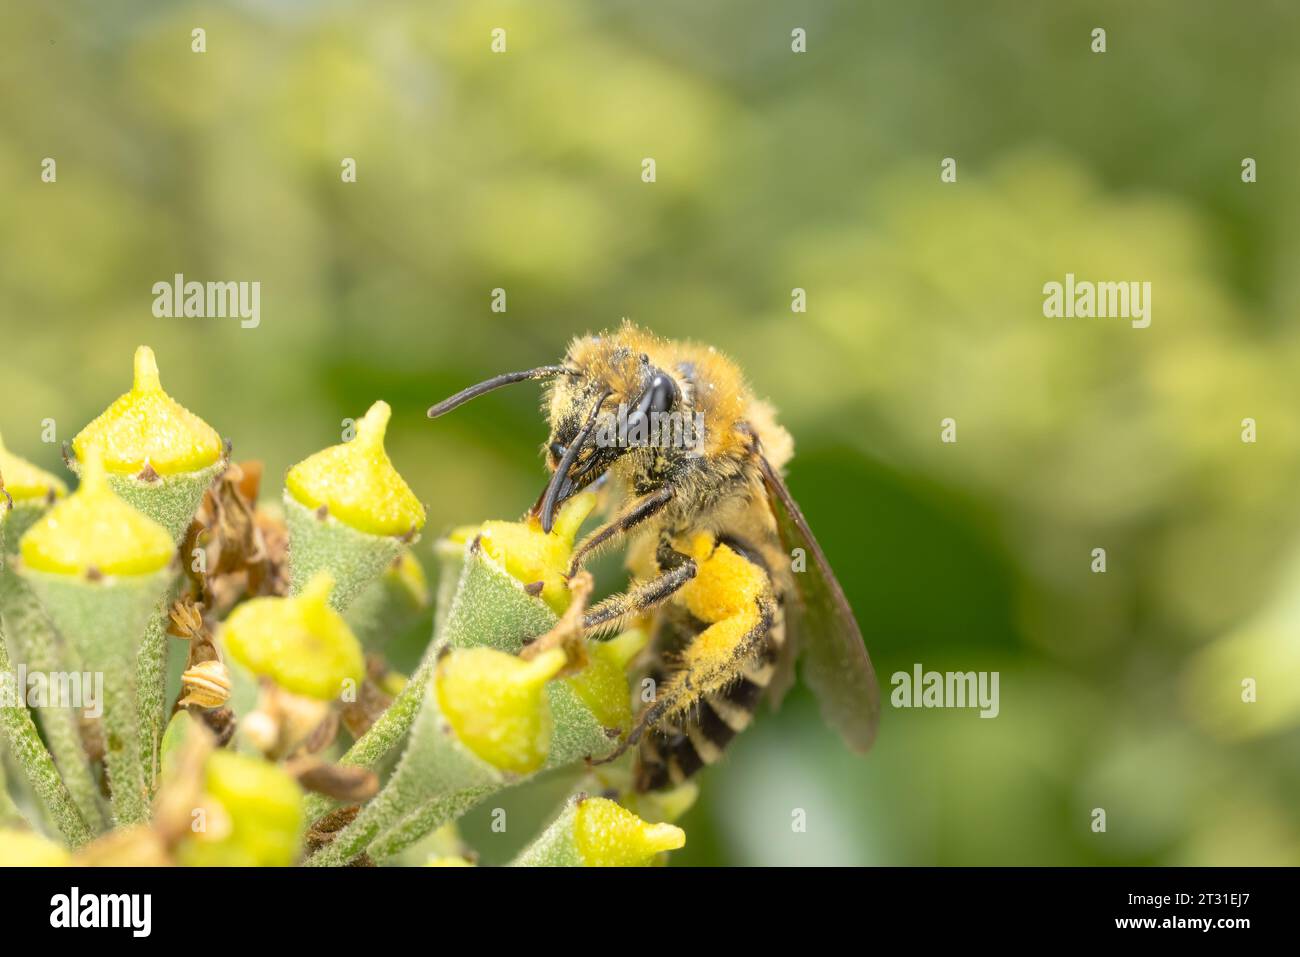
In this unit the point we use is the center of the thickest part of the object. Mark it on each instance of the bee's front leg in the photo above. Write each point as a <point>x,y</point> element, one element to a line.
<point>640,510</point>
<point>675,569</point>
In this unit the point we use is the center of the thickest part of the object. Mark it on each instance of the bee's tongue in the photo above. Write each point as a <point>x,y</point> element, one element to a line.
<point>562,485</point>
<point>553,496</point>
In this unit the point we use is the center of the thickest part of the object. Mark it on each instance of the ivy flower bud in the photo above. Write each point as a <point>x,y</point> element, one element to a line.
<point>301,643</point>
<point>93,532</point>
<point>496,704</point>
<point>148,429</point>
<point>349,512</point>
<point>253,815</point>
<point>357,483</point>
<point>25,482</point>
<point>531,555</point>
<point>597,832</point>
<point>159,456</point>
<point>28,849</point>
<point>607,835</point>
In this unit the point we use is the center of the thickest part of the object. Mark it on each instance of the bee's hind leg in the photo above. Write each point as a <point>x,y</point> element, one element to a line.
<point>714,659</point>
<point>734,595</point>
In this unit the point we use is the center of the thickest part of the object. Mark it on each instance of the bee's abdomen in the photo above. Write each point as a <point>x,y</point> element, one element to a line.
<point>671,753</point>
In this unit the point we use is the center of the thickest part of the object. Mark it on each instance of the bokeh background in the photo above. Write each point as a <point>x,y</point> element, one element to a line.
<point>774,170</point>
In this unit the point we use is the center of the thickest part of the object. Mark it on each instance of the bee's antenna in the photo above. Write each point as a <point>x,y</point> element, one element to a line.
<point>496,382</point>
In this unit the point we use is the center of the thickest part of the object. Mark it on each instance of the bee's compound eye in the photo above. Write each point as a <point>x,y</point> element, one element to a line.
<point>557,451</point>
<point>663,393</point>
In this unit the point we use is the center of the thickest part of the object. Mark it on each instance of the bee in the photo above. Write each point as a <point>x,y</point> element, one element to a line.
<point>724,568</point>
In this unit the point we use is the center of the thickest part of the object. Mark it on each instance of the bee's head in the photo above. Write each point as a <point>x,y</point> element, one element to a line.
<point>601,402</point>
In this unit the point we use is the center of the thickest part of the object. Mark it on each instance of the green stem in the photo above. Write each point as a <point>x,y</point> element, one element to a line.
<point>151,691</point>
<point>122,745</point>
<point>427,818</point>
<point>386,733</point>
<point>10,815</point>
<point>37,764</point>
<point>383,813</point>
<point>436,771</point>
<point>35,641</point>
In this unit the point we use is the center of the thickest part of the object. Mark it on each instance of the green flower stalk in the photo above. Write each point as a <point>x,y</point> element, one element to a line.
<point>32,490</point>
<point>485,722</point>
<point>160,458</point>
<point>480,602</point>
<point>579,707</point>
<point>579,732</point>
<point>494,614</point>
<point>98,567</point>
<point>24,742</point>
<point>10,815</point>
<point>596,832</point>
<point>349,511</point>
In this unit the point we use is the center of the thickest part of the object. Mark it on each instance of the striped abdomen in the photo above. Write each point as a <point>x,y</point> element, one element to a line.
<point>673,751</point>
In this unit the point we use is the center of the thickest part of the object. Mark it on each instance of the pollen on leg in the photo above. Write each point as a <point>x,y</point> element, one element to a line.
<point>710,662</point>
<point>726,584</point>
<point>733,596</point>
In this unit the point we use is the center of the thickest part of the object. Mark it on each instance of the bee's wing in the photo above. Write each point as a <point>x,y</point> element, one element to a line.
<point>836,664</point>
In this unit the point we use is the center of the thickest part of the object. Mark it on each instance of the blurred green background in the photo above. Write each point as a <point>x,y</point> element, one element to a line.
<point>774,170</point>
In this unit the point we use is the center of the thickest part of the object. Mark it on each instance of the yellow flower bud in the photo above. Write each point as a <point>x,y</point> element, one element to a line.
<point>602,685</point>
<point>146,426</point>
<point>607,835</point>
<point>531,555</point>
<point>357,483</point>
<point>28,849</point>
<point>496,703</point>
<point>253,815</point>
<point>24,481</point>
<point>301,643</point>
<point>93,529</point>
